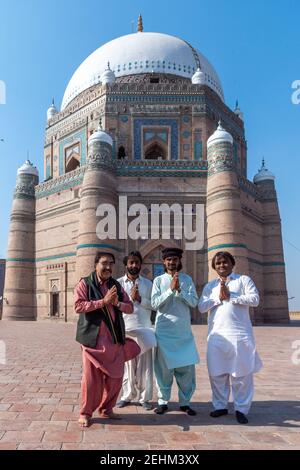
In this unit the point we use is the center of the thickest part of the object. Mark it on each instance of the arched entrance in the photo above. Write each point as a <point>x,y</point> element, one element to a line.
<point>155,152</point>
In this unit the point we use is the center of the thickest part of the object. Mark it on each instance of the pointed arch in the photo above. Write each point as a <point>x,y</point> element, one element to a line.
<point>72,164</point>
<point>155,151</point>
<point>72,157</point>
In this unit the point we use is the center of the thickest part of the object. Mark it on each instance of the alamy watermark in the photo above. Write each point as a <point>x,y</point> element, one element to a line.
<point>296,94</point>
<point>296,354</point>
<point>2,92</point>
<point>159,221</point>
<point>2,353</point>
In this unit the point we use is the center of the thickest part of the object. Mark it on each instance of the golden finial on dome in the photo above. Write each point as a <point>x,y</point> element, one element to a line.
<point>140,24</point>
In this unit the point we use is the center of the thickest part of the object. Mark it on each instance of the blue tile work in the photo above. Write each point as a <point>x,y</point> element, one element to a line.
<point>79,136</point>
<point>151,135</point>
<point>186,119</point>
<point>139,123</point>
<point>186,134</point>
<point>197,150</point>
<point>48,168</point>
<point>155,98</point>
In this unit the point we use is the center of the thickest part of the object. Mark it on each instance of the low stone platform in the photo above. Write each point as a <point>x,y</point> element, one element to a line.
<point>40,386</point>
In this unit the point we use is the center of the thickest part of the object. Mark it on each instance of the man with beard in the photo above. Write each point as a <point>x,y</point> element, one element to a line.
<point>100,301</point>
<point>138,374</point>
<point>231,351</point>
<point>173,295</point>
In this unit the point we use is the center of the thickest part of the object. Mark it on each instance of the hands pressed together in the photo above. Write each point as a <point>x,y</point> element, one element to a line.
<point>175,282</point>
<point>134,294</point>
<point>224,291</point>
<point>111,297</point>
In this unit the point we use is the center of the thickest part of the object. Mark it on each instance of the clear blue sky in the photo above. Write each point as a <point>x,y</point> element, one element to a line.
<point>253,45</point>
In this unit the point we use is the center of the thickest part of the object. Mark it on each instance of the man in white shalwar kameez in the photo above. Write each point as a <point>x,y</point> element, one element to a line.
<point>138,373</point>
<point>231,350</point>
<point>173,295</point>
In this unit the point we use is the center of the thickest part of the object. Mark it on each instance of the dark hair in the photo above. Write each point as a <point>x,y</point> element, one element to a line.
<point>131,255</point>
<point>222,254</point>
<point>101,254</point>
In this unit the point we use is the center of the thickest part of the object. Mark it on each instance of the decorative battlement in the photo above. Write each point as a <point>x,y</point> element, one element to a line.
<point>137,96</point>
<point>177,168</point>
<point>69,180</point>
<point>142,168</point>
<point>249,187</point>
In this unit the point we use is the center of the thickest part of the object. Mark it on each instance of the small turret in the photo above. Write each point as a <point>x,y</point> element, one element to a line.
<point>263,174</point>
<point>238,111</point>
<point>198,78</point>
<point>52,111</point>
<point>108,76</point>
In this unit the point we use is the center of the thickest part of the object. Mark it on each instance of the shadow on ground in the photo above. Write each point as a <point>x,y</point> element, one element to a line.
<point>285,414</point>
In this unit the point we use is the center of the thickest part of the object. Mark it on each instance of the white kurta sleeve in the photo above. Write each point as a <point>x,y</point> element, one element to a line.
<point>250,296</point>
<point>146,299</point>
<point>188,294</point>
<point>158,298</point>
<point>208,299</point>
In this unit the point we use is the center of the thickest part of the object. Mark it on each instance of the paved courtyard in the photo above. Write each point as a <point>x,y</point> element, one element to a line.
<point>40,385</point>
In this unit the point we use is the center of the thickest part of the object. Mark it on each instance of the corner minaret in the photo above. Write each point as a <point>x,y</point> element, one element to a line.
<point>20,265</point>
<point>98,187</point>
<point>275,301</point>
<point>224,212</point>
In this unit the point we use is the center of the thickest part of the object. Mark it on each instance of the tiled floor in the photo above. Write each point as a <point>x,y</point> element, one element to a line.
<point>40,385</point>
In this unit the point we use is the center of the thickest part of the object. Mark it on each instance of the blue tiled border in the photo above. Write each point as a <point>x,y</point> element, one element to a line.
<point>78,136</point>
<point>139,123</point>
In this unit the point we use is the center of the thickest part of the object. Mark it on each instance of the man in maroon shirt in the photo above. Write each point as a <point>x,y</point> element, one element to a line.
<point>100,301</point>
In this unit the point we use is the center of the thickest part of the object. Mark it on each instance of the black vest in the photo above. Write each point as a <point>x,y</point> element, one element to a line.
<point>88,324</point>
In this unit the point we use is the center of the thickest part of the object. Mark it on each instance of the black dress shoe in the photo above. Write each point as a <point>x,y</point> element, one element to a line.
<point>241,418</point>
<point>218,413</point>
<point>161,409</point>
<point>122,403</point>
<point>188,410</point>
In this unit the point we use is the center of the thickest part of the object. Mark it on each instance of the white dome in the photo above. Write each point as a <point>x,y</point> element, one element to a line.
<point>28,169</point>
<point>141,53</point>
<point>52,111</point>
<point>108,76</point>
<point>220,135</point>
<point>198,78</point>
<point>100,136</point>
<point>263,174</point>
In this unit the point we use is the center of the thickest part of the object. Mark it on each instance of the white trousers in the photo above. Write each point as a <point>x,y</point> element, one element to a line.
<point>242,392</point>
<point>138,378</point>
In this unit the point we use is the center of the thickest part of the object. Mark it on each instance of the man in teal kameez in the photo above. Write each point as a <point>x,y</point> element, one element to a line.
<point>173,294</point>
